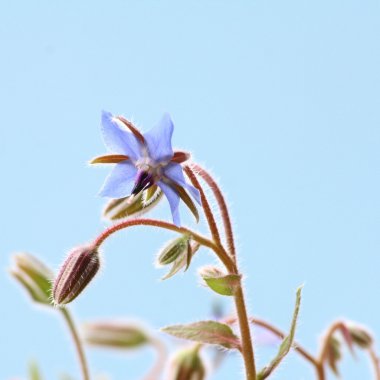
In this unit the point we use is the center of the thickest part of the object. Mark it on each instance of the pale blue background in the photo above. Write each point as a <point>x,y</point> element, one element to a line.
<point>279,98</point>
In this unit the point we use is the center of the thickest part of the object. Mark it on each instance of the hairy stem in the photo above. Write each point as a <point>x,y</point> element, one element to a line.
<point>245,332</point>
<point>220,252</point>
<point>222,205</point>
<point>206,206</point>
<point>77,343</point>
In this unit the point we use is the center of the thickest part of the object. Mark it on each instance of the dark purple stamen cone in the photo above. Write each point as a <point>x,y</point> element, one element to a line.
<point>143,181</point>
<point>77,271</point>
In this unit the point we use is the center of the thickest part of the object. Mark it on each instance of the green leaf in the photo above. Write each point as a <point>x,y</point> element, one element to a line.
<point>286,344</point>
<point>219,282</point>
<point>208,332</point>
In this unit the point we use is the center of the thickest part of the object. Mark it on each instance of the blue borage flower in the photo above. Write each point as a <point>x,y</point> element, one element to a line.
<point>144,160</point>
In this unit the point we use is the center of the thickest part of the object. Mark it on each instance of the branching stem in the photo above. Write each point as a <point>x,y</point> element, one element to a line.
<point>241,310</point>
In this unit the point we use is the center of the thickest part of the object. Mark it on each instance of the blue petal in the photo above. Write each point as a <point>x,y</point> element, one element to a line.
<point>119,182</point>
<point>118,140</point>
<point>173,199</point>
<point>159,140</point>
<point>174,172</point>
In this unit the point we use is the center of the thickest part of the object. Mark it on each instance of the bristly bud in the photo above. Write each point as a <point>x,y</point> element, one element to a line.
<point>79,268</point>
<point>360,336</point>
<point>187,364</point>
<point>134,205</point>
<point>175,248</point>
<point>183,260</point>
<point>34,276</point>
<point>115,335</point>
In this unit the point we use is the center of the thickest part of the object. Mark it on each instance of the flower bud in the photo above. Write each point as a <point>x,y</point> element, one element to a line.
<point>175,248</point>
<point>79,268</point>
<point>110,334</point>
<point>360,336</point>
<point>134,205</point>
<point>334,354</point>
<point>187,364</point>
<point>34,276</point>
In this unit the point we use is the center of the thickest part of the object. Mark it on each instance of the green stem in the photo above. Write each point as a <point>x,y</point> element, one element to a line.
<point>77,343</point>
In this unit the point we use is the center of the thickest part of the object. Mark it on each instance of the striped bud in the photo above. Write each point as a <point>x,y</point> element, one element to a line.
<point>174,249</point>
<point>79,268</point>
<point>34,276</point>
<point>134,205</point>
<point>187,364</point>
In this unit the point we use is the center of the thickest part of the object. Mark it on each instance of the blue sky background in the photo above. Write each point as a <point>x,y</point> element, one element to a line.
<point>280,99</point>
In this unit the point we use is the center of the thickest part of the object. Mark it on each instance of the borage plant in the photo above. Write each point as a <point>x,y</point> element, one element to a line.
<point>146,169</point>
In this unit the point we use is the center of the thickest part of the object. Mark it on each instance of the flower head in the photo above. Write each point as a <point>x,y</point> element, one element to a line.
<point>144,160</point>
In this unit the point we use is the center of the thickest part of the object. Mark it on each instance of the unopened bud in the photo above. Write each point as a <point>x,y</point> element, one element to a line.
<point>114,335</point>
<point>34,276</point>
<point>175,248</point>
<point>79,268</point>
<point>360,336</point>
<point>134,205</point>
<point>334,354</point>
<point>187,364</point>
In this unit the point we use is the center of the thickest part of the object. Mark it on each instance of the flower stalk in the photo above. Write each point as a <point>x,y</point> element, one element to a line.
<point>77,342</point>
<point>246,338</point>
<point>222,206</point>
<point>221,253</point>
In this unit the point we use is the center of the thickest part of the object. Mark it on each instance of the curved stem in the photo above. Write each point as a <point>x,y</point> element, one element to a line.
<point>77,343</point>
<point>339,325</point>
<point>205,204</point>
<point>157,368</point>
<point>221,253</point>
<point>245,332</point>
<point>222,205</point>
<point>375,362</point>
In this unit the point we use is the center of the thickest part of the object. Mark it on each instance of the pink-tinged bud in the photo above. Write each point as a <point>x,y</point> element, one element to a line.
<point>79,268</point>
<point>187,364</point>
